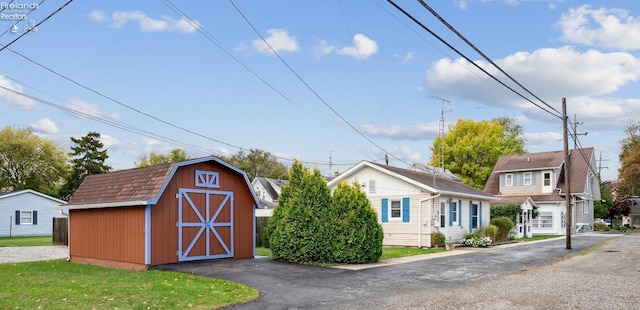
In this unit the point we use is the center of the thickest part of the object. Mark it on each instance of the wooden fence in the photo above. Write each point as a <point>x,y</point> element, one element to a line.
<point>60,231</point>
<point>261,226</point>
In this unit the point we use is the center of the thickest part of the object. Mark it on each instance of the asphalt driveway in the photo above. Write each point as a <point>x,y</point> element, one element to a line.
<point>290,286</point>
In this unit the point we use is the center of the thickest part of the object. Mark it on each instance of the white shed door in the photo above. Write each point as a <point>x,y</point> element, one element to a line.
<point>205,224</point>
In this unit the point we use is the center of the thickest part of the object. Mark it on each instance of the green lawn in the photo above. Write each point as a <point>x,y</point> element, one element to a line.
<point>57,284</point>
<point>25,241</point>
<point>387,252</point>
<point>539,237</point>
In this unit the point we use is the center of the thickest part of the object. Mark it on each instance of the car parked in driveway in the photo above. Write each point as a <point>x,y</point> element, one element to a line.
<point>603,222</point>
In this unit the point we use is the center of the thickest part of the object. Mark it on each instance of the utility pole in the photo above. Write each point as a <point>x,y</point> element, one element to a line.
<point>600,160</point>
<point>575,132</point>
<point>441,130</point>
<point>330,165</point>
<point>567,186</point>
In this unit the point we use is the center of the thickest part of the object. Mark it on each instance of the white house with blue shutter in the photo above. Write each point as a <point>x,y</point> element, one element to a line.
<point>28,213</point>
<point>411,205</point>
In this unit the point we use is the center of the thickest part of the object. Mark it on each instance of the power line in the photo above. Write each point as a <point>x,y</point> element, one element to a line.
<point>463,38</point>
<point>307,85</point>
<point>35,26</point>
<point>467,58</point>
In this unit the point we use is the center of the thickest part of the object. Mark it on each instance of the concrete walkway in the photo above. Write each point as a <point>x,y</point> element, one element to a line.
<point>32,253</point>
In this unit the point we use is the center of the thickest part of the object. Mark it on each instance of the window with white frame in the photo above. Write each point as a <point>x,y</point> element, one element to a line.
<point>26,217</point>
<point>396,209</point>
<point>508,179</point>
<point>443,212</point>
<point>372,186</point>
<point>544,220</point>
<point>526,178</point>
<point>454,213</point>
<point>546,177</point>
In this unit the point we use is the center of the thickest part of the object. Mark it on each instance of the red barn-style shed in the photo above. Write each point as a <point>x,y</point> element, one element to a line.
<point>137,218</point>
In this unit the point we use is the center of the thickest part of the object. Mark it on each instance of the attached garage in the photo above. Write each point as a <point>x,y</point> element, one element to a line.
<point>137,218</point>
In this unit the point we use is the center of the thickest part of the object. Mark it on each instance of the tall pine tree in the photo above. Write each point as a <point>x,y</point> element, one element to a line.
<point>88,158</point>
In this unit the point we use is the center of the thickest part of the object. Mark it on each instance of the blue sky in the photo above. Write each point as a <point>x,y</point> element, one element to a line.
<point>353,80</point>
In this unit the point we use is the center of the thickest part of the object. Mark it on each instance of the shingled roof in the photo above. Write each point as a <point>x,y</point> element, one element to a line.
<point>543,161</point>
<point>132,187</point>
<point>434,183</point>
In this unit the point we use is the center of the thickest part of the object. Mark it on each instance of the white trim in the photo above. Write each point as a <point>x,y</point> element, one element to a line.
<point>101,205</point>
<point>7,195</point>
<point>420,185</point>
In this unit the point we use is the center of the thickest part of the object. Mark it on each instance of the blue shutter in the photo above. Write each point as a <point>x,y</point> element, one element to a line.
<point>450,212</point>
<point>385,210</point>
<point>459,206</point>
<point>34,220</point>
<point>470,216</point>
<point>480,214</point>
<point>533,178</point>
<point>521,179</point>
<point>17,217</point>
<point>405,209</point>
<point>502,180</point>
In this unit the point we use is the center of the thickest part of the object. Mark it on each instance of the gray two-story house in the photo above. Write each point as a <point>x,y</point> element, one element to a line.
<point>536,181</point>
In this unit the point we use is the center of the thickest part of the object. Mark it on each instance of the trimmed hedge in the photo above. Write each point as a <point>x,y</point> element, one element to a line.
<point>311,225</point>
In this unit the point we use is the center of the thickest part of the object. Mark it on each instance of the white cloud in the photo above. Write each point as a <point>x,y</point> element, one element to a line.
<point>89,110</point>
<point>462,4</point>
<point>402,132</point>
<point>11,97</point>
<point>44,126</point>
<point>146,23</point>
<point>279,40</point>
<point>607,28</point>
<point>405,58</point>
<point>550,73</point>
<point>538,139</point>
<point>402,151</point>
<point>363,47</point>
<point>321,48</point>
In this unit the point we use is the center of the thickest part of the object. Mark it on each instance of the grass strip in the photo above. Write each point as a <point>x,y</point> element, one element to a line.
<point>25,241</point>
<point>57,284</point>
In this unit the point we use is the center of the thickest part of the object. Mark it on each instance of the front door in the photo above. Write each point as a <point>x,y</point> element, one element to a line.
<point>205,224</point>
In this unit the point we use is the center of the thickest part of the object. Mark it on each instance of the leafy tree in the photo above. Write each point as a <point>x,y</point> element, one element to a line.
<point>601,208</point>
<point>176,155</point>
<point>88,158</point>
<point>258,163</point>
<point>629,173</point>
<point>28,161</point>
<point>471,149</point>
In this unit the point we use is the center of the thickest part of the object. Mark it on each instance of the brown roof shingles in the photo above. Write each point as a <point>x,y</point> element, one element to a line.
<point>537,161</point>
<point>442,183</point>
<point>138,184</point>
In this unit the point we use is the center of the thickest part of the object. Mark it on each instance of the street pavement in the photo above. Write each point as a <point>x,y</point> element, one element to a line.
<point>292,286</point>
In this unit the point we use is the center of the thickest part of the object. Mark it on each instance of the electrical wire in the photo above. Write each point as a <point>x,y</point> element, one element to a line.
<point>35,26</point>
<point>324,102</point>
<point>467,58</point>
<point>463,38</point>
<point>373,89</point>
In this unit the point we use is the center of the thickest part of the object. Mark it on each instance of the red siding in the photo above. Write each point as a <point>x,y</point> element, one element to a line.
<point>111,234</point>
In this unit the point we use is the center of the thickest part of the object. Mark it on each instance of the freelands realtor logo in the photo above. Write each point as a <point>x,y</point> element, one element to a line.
<point>16,11</point>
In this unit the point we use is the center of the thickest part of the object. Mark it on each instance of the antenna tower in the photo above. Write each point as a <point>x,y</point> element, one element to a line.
<point>441,129</point>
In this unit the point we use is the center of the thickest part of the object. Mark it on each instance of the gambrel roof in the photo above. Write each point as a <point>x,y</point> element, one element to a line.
<point>427,181</point>
<point>134,187</point>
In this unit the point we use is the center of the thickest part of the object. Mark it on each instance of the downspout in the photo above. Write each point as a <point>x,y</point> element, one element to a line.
<point>420,218</point>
